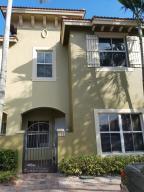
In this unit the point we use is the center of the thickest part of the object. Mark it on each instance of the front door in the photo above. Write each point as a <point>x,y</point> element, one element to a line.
<point>40,147</point>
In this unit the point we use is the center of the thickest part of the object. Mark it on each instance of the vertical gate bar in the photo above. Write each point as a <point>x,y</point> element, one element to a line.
<point>44,151</point>
<point>32,152</point>
<point>38,143</point>
<point>38,165</point>
<point>38,156</point>
<point>29,137</point>
<point>41,137</point>
<point>25,152</point>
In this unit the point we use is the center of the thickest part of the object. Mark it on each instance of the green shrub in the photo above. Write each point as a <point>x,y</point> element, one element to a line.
<point>95,165</point>
<point>7,176</point>
<point>8,160</point>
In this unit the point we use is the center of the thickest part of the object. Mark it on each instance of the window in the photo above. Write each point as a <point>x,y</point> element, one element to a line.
<point>106,52</point>
<point>44,64</point>
<point>4,123</point>
<point>121,133</point>
<point>112,52</point>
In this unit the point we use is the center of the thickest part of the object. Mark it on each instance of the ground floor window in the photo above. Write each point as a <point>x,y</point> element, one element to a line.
<point>121,132</point>
<point>4,124</point>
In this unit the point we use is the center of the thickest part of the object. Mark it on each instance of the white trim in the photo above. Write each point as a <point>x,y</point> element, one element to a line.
<point>97,132</point>
<point>77,23</point>
<point>119,110</point>
<point>128,69</point>
<point>34,67</point>
<point>97,128</point>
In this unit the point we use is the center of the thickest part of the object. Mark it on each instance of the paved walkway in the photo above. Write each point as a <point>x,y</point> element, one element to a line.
<point>58,183</point>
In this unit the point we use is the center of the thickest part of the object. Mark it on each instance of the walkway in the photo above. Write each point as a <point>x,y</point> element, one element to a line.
<point>59,183</point>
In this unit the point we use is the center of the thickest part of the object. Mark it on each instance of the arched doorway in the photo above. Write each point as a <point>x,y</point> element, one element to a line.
<point>40,140</point>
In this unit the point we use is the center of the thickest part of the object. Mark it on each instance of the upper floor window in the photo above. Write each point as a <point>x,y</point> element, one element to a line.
<point>112,52</point>
<point>44,64</point>
<point>109,52</point>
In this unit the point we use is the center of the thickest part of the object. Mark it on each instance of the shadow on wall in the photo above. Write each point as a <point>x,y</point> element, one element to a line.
<point>18,96</point>
<point>90,89</point>
<point>93,89</point>
<point>23,94</point>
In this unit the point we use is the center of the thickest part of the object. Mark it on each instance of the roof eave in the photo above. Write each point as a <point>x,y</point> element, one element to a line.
<point>44,11</point>
<point>68,23</point>
<point>113,21</point>
<point>13,39</point>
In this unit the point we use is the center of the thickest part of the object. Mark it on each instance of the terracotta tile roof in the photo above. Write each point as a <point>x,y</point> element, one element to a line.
<point>44,8</point>
<point>115,18</point>
<point>77,19</point>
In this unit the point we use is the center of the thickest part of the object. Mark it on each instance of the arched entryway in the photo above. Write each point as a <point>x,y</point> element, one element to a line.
<point>40,139</point>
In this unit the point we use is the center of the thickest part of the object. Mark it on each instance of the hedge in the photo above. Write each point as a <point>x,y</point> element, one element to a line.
<point>7,176</point>
<point>8,160</point>
<point>95,165</point>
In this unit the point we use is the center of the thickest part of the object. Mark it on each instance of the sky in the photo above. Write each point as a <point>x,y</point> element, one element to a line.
<point>110,8</point>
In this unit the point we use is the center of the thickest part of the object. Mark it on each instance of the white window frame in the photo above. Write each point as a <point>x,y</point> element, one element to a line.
<point>34,68</point>
<point>117,111</point>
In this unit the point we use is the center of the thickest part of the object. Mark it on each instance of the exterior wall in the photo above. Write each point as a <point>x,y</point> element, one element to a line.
<point>96,89</point>
<point>77,91</point>
<point>13,142</point>
<point>23,94</point>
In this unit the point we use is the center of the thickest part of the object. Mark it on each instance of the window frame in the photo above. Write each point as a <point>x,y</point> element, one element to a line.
<point>4,124</point>
<point>119,112</point>
<point>34,68</point>
<point>109,68</point>
<point>113,51</point>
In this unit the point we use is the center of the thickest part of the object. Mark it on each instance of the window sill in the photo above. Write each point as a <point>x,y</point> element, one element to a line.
<point>44,79</point>
<point>128,69</point>
<point>127,153</point>
<point>20,132</point>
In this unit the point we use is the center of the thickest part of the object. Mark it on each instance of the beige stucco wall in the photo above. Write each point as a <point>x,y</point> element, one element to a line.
<point>13,142</point>
<point>77,91</point>
<point>109,89</point>
<point>93,89</point>
<point>22,93</point>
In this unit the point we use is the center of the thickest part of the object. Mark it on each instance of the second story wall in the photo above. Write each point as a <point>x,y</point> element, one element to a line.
<point>100,88</point>
<point>23,91</point>
<point>105,88</point>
